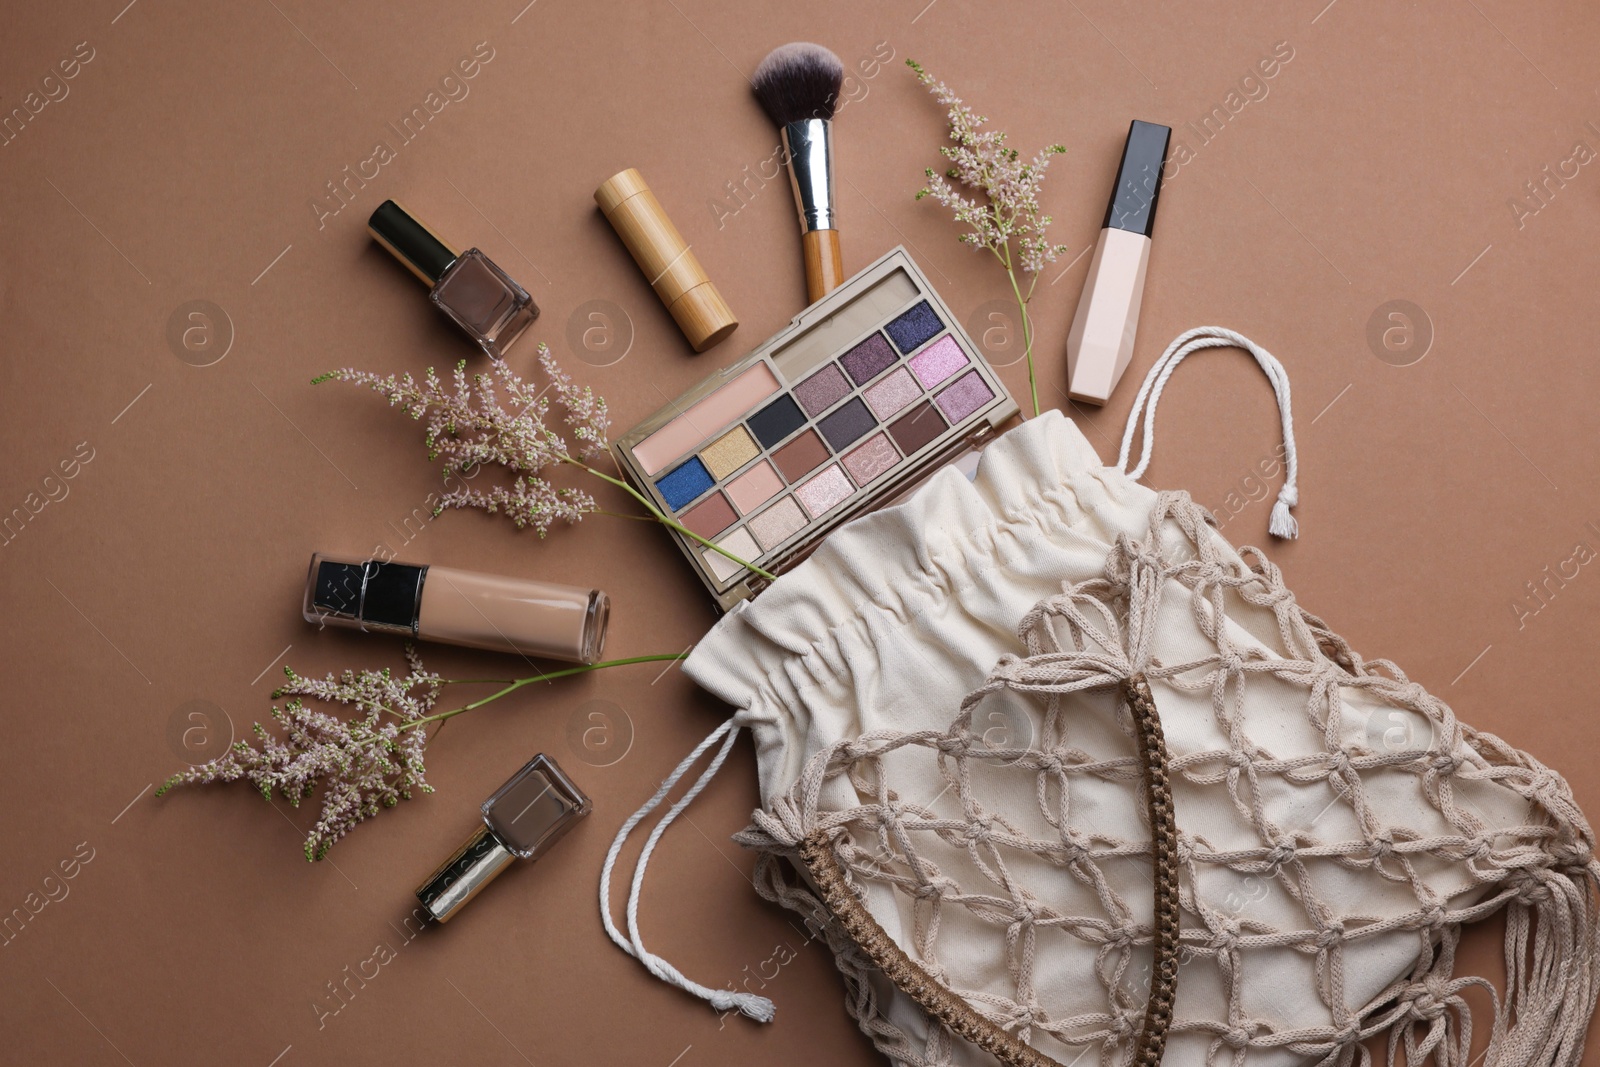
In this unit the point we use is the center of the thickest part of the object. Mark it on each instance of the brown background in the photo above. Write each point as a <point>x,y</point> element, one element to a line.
<point>181,167</point>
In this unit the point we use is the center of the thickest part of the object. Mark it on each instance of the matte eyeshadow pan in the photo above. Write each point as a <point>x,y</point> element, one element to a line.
<point>914,327</point>
<point>741,544</point>
<point>709,517</point>
<point>729,452</point>
<point>824,492</point>
<point>822,390</point>
<point>892,394</point>
<point>776,421</point>
<point>868,359</point>
<point>777,524</point>
<point>801,456</point>
<point>754,487</point>
<point>938,361</point>
<point>847,425</point>
<point>683,483</point>
<point>872,459</point>
<point>913,432</point>
<point>963,398</point>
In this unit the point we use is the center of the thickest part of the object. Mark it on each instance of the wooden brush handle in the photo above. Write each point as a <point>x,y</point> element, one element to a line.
<point>824,263</point>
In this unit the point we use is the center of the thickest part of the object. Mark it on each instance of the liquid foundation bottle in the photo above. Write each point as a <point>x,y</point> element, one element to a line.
<point>523,819</point>
<point>471,290</point>
<point>1100,343</point>
<point>457,607</point>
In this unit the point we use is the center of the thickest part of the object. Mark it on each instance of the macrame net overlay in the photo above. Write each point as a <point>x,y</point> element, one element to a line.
<point>1304,778</point>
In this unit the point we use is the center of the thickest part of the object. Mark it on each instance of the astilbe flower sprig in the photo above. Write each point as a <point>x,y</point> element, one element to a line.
<point>364,763</point>
<point>1004,216</point>
<point>494,418</point>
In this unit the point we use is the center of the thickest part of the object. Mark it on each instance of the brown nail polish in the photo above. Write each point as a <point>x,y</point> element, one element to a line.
<point>522,820</point>
<point>468,287</point>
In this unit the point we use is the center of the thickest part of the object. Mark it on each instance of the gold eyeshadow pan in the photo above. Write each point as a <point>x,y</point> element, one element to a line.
<point>859,398</point>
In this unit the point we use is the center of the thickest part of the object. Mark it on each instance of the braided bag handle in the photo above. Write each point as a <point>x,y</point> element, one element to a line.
<point>817,854</point>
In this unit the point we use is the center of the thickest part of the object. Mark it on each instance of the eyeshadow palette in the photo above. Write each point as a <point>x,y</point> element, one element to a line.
<point>862,396</point>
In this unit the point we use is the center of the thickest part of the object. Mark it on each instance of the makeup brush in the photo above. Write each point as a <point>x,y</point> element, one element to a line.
<point>798,87</point>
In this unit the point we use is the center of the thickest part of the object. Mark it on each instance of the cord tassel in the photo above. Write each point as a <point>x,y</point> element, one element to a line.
<point>1281,523</point>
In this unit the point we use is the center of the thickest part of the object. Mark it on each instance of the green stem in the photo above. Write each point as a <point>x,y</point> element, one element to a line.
<point>1027,324</point>
<point>517,683</point>
<point>666,520</point>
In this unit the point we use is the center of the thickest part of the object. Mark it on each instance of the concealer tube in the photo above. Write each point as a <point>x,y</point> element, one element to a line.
<point>661,252</point>
<point>457,607</point>
<point>1100,343</point>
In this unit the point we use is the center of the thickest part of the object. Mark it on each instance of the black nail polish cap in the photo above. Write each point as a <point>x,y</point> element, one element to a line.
<point>1133,200</point>
<point>422,251</point>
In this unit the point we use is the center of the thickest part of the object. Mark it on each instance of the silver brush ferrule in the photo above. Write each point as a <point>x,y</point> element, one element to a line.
<point>809,146</point>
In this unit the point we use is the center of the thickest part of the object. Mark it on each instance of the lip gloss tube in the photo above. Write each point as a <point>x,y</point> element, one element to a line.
<point>457,607</point>
<point>1100,343</point>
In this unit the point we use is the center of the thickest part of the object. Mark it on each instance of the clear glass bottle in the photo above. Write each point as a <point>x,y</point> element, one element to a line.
<point>468,287</point>
<point>495,612</point>
<point>522,820</point>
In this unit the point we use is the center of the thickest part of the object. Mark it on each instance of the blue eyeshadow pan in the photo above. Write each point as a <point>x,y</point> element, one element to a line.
<point>684,483</point>
<point>914,327</point>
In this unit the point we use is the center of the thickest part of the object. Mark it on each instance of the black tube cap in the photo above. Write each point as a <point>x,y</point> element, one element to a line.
<point>409,241</point>
<point>1133,200</point>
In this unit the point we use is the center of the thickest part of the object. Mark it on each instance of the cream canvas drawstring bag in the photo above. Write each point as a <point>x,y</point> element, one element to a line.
<point>1056,770</point>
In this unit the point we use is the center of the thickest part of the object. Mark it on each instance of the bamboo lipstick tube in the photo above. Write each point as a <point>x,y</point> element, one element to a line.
<point>667,261</point>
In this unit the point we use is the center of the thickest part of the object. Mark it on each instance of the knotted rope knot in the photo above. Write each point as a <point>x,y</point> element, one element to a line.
<point>1531,888</point>
<point>1226,936</point>
<point>1381,845</point>
<point>1428,999</point>
<point>1445,763</point>
<point>1480,848</point>
<point>934,888</point>
<point>1336,762</point>
<point>1121,939</point>
<point>1572,854</point>
<point>1238,757</point>
<point>1230,662</point>
<point>979,831</point>
<point>1348,1034</point>
<point>1281,853</point>
<point>1329,935</point>
<point>1124,1022</point>
<point>754,1007</point>
<point>1238,1036</point>
<point>1434,916</point>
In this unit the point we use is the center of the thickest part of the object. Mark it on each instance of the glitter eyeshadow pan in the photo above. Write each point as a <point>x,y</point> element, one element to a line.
<point>778,523</point>
<point>914,327</point>
<point>891,395</point>
<point>729,452</point>
<point>824,492</point>
<point>938,361</point>
<point>868,359</point>
<point>963,398</point>
<point>873,459</point>
<point>684,483</point>
<point>822,390</point>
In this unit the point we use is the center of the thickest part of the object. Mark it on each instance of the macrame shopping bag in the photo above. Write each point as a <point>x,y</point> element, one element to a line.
<point>1053,769</point>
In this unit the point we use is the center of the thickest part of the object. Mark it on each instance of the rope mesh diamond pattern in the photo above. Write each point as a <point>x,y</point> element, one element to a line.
<point>1097,635</point>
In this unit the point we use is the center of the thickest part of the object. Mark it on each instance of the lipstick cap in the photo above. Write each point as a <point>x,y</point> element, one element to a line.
<point>659,249</point>
<point>1133,200</point>
<point>422,252</point>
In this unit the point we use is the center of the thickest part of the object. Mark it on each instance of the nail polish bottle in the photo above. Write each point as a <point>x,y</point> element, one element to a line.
<point>457,607</point>
<point>523,819</point>
<point>1100,343</point>
<point>471,290</point>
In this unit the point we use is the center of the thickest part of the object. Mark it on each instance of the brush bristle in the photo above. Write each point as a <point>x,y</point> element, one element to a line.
<point>798,81</point>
